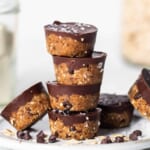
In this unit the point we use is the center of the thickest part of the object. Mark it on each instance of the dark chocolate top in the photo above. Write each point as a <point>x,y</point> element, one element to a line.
<point>75,117</point>
<point>73,29</point>
<point>143,84</point>
<point>76,63</point>
<point>22,99</point>
<point>113,102</point>
<point>146,76</point>
<point>55,89</point>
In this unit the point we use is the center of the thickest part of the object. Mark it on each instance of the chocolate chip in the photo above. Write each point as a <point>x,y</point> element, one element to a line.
<point>137,132</point>
<point>40,137</point>
<point>137,96</point>
<point>40,140</point>
<point>25,135</point>
<point>57,22</point>
<point>106,140</point>
<point>41,134</point>
<point>119,139</point>
<point>67,105</point>
<point>71,71</point>
<point>66,112</point>
<point>72,128</point>
<point>133,137</point>
<point>52,139</point>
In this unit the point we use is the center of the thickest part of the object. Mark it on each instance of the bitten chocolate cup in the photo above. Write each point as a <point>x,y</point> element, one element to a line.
<point>117,111</point>
<point>139,93</point>
<point>27,108</point>
<point>70,39</point>
<point>80,71</point>
<point>77,126</point>
<point>72,97</point>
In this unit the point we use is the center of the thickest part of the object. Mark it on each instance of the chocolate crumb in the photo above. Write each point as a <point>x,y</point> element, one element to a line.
<point>25,135</point>
<point>137,132</point>
<point>40,138</point>
<point>119,139</point>
<point>133,137</point>
<point>72,128</point>
<point>106,140</point>
<point>67,105</point>
<point>41,134</point>
<point>52,139</point>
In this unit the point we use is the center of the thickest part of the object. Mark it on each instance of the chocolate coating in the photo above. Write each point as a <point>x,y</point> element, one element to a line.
<point>114,103</point>
<point>76,63</point>
<point>73,30</point>
<point>22,99</point>
<point>76,117</point>
<point>55,89</point>
<point>143,84</point>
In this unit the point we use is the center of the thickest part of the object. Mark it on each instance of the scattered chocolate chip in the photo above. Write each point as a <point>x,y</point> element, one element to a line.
<point>72,128</point>
<point>55,110</point>
<point>119,139</point>
<point>57,22</point>
<point>67,105</point>
<point>40,140</point>
<point>40,137</point>
<point>52,139</point>
<point>25,135</point>
<point>106,140</point>
<point>41,134</point>
<point>133,137</point>
<point>137,132</point>
<point>137,96</point>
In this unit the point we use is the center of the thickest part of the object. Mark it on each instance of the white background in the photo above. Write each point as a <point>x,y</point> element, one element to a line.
<point>35,64</point>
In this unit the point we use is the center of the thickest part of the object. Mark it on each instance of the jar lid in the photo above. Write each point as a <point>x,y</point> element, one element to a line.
<point>7,6</point>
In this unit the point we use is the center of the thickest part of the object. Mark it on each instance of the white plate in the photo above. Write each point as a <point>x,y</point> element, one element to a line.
<point>11,142</point>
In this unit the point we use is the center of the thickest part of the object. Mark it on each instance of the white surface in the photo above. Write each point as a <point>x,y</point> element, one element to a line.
<point>34,63</point>
<point>16,144</point>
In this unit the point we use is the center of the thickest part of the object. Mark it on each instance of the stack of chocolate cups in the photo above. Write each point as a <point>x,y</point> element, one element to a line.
<point>79,70</point>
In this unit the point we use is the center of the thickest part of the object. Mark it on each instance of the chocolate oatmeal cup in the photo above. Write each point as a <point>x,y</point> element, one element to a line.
<point>117,110</point>
<point>80,71</point>
<point>139,93</point>
<point>72,97</point>
<point>75,125</point>
<point>70,39</point>
<point>27,108</point>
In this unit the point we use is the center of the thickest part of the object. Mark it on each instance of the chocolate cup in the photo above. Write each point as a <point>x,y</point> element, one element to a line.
<point>77,63</point>
<point>55,89</point>
<point>143,84</point>
<point>114,103</point>
<point>76,117</point>
<point>117,111</point>
<point>73,30</point>
<point>22,99</point>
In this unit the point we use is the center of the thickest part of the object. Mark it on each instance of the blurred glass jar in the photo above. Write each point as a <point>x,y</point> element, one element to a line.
<point>8,26</point>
